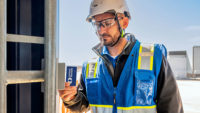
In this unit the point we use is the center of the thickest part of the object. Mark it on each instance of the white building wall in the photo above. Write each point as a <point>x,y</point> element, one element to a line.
<point>196,59</point>
<point>188,66</point>
<point>178,64</point>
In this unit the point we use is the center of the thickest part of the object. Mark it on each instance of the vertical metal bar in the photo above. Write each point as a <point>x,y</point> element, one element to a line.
<point>50,56</point>
<point>3,32</point>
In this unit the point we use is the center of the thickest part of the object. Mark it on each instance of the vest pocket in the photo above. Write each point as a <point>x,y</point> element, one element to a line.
<point>92,88</point>
<point>144,87</point>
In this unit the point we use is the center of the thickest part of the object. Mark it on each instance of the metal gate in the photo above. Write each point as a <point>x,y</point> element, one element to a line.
<point>46,75</point>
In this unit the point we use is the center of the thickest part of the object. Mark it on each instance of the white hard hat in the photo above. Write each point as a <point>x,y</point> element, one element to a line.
<point>102,6</point>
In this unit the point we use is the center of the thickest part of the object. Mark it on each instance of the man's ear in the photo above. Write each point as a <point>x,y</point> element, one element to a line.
<point>125,22</point>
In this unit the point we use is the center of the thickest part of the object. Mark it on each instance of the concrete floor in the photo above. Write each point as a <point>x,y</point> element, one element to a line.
<point>190,94</point>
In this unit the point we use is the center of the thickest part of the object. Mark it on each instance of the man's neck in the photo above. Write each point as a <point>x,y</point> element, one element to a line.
<point>118,48</point>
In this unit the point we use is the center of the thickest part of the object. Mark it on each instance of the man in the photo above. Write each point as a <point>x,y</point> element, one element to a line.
<point>129,76</point>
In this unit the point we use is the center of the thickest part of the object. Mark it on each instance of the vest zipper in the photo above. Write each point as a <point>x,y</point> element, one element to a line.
<point>114,101</point>
<point>114,98</point>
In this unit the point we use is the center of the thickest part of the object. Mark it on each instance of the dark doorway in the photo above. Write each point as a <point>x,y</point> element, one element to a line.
<point>25,17</point>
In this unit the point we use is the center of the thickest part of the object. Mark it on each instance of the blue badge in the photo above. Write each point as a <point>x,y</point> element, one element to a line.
<point>71,75</point>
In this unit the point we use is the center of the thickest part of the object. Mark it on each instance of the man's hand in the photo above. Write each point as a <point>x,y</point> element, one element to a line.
<point>68,93</point>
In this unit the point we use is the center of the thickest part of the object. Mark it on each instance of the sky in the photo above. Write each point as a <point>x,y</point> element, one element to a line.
<point>174,23</point>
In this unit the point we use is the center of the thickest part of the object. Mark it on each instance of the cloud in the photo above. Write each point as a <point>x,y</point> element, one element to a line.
<point>193,28</point>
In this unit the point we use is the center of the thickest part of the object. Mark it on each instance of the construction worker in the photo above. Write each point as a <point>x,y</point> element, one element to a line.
<point>129,76</point>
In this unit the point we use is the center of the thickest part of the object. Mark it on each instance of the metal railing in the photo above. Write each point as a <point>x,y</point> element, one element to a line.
<point>50,56</point>
<point>3,32</point>
<point>25,39</point>
<point>48,75</point>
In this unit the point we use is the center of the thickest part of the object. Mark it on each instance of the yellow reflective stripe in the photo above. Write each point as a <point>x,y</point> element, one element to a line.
<point>95,70</point>
<point>151,59</point>
<point>87,70</point>
<point>139,59</point>
<point>105,106</point>
<point>137,107</point>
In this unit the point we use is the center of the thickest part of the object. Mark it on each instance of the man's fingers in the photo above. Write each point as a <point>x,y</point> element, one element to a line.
<point>69,92</point>
<point>69,96</point>
<point>70,88</point>
<point>67,84</point>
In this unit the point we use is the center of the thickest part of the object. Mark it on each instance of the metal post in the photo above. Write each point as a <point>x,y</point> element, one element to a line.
<point>3,31</point>
<point>50,56</point>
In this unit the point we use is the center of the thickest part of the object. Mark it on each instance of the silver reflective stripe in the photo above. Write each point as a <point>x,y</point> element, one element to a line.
<point>145,59</point>
<point>101,110</point>
<point>145,62</point>
<point>144,110</point>
<point>91,69</point>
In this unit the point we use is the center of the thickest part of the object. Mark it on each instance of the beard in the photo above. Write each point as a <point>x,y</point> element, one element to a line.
<point>107,40</point>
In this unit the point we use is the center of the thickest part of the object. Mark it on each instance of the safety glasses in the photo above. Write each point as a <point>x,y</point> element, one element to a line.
<point>107,23</point>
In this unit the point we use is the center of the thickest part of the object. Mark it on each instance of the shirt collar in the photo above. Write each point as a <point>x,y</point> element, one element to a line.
<point>105,51</point>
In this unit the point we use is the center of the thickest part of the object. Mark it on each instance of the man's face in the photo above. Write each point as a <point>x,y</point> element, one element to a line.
<point>108,34</point>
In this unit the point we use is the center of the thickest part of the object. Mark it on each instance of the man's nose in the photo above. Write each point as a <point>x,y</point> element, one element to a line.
<point>101,29</point>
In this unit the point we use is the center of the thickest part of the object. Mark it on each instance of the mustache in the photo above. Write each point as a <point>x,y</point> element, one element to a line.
<point>103,35</point>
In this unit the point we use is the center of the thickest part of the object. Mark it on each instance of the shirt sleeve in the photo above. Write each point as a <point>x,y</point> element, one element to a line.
<point>168,96</point>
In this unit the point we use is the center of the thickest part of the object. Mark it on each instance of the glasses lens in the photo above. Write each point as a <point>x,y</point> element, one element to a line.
<point>108,22</point>
<point>96,25</point>
<point>104,23</point>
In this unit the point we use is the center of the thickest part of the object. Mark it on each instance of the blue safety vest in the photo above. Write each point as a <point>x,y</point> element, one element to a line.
<point>137,87</point>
